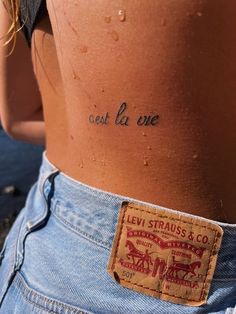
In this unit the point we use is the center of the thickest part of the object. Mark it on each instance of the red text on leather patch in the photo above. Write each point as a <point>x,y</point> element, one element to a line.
<point>165,254</point>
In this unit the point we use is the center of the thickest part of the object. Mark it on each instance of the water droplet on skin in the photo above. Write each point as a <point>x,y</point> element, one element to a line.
<point>103,162</point>
<point>195,156</point>
<point>221,204</point>
<point>199,14</point>
<point>145,162</point>
<point>122,15</point>
<point>149,148</point>
<point>93,158</point>
<point>81,165</point>
<point>107,19</point>
<point>163,22</point>
<point>143,134</point>
<point>84,49</point>
<point>114,35</point>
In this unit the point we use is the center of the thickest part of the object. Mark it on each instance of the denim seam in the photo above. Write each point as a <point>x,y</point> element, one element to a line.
<point>82,233</point>
<point>18,284</point>
<point>224,279</point>
<point>37,305</point>
<point>13,260</point>
<point>27,292</point>
<point>97,193</point>
<point>40,187</point>
<point>2,252</point>
<point>19,238</point>
<point>41,184</point>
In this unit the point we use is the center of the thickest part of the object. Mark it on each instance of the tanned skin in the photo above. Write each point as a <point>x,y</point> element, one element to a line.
<point>103,67</point>
<point>20,102</point>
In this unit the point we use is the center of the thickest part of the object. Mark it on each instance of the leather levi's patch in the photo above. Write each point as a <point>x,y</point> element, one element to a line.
<point>165,254</point>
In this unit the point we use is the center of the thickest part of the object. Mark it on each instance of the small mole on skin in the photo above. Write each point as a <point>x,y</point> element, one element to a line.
<point>72,137</point>
<point>107,19</point>
<point>114,35</point>
<point>84,49</point>
<point>75,76</point>
<point>102,90</point>
<point>95,106</point>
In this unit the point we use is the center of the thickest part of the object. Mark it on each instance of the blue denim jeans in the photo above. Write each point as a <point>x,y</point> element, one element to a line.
<point>55,257</point>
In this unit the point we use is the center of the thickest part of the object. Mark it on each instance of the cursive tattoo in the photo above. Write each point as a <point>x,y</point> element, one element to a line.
<point>122,118</point>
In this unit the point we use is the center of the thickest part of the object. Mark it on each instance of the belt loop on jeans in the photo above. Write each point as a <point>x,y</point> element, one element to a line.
<point>39,222</point>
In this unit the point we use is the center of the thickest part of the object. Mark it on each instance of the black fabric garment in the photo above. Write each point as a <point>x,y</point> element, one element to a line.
<point>31,11</point>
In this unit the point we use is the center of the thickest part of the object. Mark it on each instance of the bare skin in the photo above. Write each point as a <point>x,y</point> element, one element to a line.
<point>20,101</point>
<point>173,60</point>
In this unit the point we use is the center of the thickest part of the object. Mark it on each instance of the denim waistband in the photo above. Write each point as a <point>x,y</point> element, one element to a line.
<point>93,213</point>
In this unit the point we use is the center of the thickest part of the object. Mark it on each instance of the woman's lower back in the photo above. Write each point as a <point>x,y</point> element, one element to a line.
<point>142,100</point>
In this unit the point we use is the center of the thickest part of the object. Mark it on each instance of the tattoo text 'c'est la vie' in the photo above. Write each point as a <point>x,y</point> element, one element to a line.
<point>123,119</point>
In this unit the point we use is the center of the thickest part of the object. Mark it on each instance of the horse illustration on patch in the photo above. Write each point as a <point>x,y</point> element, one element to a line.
<point>151,263</point>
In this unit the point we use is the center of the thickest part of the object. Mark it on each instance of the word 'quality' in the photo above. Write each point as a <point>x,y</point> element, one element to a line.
<point>123,119</point>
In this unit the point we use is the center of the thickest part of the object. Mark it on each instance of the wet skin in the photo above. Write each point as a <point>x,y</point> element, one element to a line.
<point>173,65</point>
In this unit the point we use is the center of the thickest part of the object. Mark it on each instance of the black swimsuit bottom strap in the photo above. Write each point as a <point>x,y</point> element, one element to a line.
<point>31,11</point>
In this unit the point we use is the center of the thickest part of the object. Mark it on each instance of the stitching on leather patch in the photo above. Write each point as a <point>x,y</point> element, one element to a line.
<point>165,254</point>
